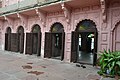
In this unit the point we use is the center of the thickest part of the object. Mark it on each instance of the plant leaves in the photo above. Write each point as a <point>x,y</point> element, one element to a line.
<point>118,63</point>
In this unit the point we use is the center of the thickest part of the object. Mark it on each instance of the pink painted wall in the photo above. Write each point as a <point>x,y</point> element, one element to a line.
<point>108,31</point>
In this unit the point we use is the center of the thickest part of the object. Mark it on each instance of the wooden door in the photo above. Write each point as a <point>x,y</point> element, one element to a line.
<point>39,44</point>
<point>6,41</point>
<point>21,42</point>
<point>14,42</point>
<point>9,42</point>
<point>48,45</point>
<point>63,44</point>
<point>95,49</point>
<point>35,43</point>
<point>74,46</point>
<point>29,40</point>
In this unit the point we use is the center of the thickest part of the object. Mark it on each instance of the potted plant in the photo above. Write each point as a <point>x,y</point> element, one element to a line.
<point>110,64</point>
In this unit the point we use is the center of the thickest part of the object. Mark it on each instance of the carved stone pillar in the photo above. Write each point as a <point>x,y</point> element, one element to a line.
<point>103,9</point>
<point>67,14</point>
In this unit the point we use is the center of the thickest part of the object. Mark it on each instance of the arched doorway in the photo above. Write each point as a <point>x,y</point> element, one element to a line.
<point>20,32</point>
<point>35,30</point>
<point>116,38</point>
<point>84,43</point>
<point>33,41</point>
<point>54,42</point>
<point>8,39</point>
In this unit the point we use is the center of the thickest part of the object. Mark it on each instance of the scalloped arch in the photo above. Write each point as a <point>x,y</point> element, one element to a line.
<point>115,24</point>
<point>7,29</point>
<point>19,28</point>
<point>33,26</point>
<point>94,21</point>
<point>18,25</point>
<point>52,23</point>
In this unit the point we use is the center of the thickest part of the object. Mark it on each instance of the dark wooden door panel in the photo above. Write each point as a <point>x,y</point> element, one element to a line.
<point>14,42</point>
<point>63,44</point>
<point>29,41</point>
<point>35,42</point>
<point>9,42</point>
<point>21,42</point>
<point>39,44</point>
<point>6,41</point>
<point>95,49</point>
<point>48,45</point>
<point>74,46</point>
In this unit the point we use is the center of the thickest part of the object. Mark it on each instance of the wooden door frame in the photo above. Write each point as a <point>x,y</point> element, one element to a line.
<point>47,48</point>
<point>62,51</point>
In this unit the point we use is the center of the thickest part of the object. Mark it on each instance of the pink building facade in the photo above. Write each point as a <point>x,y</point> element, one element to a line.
<point>71,15</point>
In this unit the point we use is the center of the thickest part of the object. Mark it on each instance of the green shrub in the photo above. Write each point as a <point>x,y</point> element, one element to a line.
<point>109,63</point>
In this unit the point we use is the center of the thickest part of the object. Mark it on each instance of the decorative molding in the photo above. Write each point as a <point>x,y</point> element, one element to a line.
<point>104,12</point>
<point>41,15</point>
<point>104,46</point>
<point>95,7</point>
<point>9,20</point>
<point>53,21</point>
<point>116,12</point>
<point>104,37</point>
<point>67,12</point>
<point>23,19</point>
<point>87,8</point>
<point>1,24</point>
<point>114,3</point>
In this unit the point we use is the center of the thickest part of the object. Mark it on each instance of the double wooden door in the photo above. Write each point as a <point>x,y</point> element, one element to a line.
<point>50,45</point>
<point>84,46</point>
<point>8,41</point>
<point>14,42</point>
<point>33,43</point>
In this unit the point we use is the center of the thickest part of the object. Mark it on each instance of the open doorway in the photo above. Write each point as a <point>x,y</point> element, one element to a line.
<point>56,45</point>
<point>54,42</point>
<point>33,41</point>
<point>86,47</point>
<point>84,43</point>
<point>36,32</point>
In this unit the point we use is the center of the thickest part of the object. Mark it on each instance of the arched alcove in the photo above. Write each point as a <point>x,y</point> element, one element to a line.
<point>54,41</point>
<point>116,38</point>
<point>36,28</point>
<point>8,39</point>
<point>84,42</point>
<point>33,41</point>
<point>20,32</point>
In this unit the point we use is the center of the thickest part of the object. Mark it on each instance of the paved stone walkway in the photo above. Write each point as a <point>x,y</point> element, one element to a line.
<point>16,66</point>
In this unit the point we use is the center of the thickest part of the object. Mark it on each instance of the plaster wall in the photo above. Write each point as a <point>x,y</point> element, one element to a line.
<point>106,30</point>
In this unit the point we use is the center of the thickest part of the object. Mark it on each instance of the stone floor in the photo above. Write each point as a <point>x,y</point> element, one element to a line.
<point>16,66</point>
<point>85,57</point>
